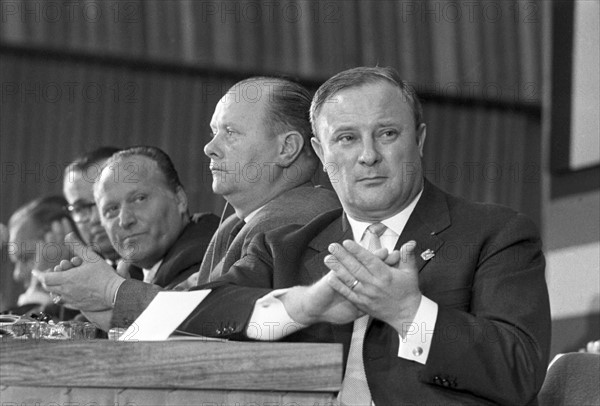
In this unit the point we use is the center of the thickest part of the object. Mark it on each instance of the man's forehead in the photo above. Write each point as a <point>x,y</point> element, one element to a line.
<point>373,99</point>
<point>130,173</point>
<point>77,185</point>
<point>129,169</point>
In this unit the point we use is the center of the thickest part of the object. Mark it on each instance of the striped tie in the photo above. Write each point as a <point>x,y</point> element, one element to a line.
<point>355,390</point>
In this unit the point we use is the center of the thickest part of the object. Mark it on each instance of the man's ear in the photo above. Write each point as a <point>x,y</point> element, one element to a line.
<point>291,144</point>
<point>182,200</point>
<point>421,135</point>
<point>316,144</point>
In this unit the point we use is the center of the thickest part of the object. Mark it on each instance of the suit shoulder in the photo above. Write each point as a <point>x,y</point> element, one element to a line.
<point>205,218</point>
<point>297,206</point>
<point>296,232</point>
<point>490,215</point>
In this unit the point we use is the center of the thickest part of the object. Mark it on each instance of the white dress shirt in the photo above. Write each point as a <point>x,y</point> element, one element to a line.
<point>149,274</point>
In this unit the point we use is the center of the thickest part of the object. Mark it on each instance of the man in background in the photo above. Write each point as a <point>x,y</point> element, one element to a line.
<point>35,243</point>
<point>78,184</point>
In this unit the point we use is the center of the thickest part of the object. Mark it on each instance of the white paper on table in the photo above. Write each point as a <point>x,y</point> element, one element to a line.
<point>164,314</point>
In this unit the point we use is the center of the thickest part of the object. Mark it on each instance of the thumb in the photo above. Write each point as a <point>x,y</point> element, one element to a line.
<point>408,256</point>
<point>123,269</point>
<point>78,249</point>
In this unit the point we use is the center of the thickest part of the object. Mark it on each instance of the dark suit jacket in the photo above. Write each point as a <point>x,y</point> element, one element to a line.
<point>295,206</point>
<point>491,339</point>
<point>299,205</point>
<point>185,255</point>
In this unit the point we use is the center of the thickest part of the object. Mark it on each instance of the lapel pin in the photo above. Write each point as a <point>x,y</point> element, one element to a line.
<point>427,254</point>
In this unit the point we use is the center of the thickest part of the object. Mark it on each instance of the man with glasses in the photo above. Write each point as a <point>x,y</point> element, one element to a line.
<point>78,184</point>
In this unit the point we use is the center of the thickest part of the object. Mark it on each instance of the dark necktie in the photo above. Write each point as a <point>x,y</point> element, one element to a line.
<point>212,265</point>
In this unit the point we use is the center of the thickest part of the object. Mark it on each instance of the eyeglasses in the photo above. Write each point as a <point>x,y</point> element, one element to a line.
<point>81,212</point>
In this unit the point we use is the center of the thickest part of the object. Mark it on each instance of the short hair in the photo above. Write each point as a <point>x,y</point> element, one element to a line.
<point>42,212</point>
<point>165,165</point>
<point>361,76</point>
<point>288,106</point>
<point>85,161</point>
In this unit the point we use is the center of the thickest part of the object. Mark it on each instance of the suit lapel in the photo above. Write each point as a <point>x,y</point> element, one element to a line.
<point>216,248</point>
<point>431,216</point>
<point>337,231</point>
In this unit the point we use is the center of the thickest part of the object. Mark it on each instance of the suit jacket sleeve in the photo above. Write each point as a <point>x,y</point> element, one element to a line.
<point>226,311</point>
<point>132,299</point>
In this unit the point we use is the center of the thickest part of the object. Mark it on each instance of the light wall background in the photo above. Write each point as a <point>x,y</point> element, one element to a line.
<point>76,76</point>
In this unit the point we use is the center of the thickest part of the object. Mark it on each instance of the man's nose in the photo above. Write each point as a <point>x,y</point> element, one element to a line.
<point>212,148</point>
<point>126,217</point>
<point>94,215</point>
<point>369,155</point>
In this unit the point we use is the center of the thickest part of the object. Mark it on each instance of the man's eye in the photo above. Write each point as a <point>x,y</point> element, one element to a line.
<point>346,138</point>
<point>110,211</point>
<point>141,198</point>
<point>78,210</point>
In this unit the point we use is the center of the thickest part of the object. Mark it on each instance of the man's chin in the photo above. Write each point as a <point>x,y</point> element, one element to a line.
<point>104,247</point>
<point>221,188</point>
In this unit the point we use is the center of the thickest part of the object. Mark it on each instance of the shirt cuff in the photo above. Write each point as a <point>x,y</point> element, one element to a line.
<point>419,335</point>
<point>116,286</point>
<point>270,321</point>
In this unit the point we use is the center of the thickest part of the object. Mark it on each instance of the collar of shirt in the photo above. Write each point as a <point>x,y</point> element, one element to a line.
<point>149,274</point>
<point>395,225</point>
<point>252,215</point>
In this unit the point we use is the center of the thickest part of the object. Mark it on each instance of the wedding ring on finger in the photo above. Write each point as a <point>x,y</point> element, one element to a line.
<point>354,284</point>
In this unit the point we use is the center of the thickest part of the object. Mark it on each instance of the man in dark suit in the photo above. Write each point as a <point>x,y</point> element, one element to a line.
<point>437,300</point>
<point>144,209</point>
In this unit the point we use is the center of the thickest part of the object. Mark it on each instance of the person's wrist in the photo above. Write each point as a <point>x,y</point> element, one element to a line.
<point>403,323</point>
<point>292,301</point>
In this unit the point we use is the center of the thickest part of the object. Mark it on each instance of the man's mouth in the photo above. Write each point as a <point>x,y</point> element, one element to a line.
<point>127,238</point>
<point>373,178</point>
<point>99,235</point>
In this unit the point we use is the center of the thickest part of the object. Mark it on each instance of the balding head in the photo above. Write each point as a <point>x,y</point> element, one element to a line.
<point>260,146</point>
